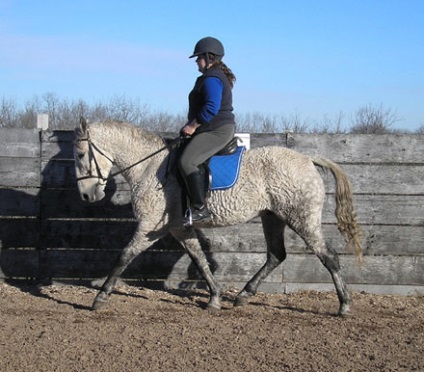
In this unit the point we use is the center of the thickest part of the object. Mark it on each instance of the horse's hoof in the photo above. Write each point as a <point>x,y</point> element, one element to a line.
<point>99,302</point>
<point>214,305</point>
<point>345,311</point>
<point>98,305</point>
<point>241,301</point>
<point>213,309</point>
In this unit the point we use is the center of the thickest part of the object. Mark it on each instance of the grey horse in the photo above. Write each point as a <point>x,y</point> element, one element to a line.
<point>279,185</point>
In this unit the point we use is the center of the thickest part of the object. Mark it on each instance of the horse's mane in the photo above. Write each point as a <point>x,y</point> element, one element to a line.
<point>126,131</point>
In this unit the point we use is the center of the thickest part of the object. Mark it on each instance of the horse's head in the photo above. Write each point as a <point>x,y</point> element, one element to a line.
<point>92,165</point>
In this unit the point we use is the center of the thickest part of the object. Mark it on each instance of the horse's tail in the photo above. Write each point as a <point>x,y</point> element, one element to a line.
<point>345,212</point>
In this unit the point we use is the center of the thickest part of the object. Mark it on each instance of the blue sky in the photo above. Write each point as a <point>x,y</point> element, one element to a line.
<point>308,58</point>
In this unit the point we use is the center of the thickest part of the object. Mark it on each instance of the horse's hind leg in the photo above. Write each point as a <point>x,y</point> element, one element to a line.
<point>329,258</point>
<point>190,241</point>
<point>276,253</point>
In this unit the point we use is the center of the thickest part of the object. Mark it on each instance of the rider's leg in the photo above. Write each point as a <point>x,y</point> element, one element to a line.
<point>201,148</point>
<point>196,189</point>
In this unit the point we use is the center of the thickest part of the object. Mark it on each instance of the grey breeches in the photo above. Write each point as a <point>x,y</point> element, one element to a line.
<point>203,146</point>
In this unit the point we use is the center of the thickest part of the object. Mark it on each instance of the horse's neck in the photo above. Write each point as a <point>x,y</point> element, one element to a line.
<point>129,146</point>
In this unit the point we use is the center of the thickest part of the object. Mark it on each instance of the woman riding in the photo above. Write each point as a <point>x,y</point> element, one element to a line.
<point>211,122</point>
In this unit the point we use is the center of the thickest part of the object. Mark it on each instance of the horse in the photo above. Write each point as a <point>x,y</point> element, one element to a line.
<point>281,186</point>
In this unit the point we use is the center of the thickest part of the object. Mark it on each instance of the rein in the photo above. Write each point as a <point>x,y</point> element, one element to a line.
<point>91,147</point>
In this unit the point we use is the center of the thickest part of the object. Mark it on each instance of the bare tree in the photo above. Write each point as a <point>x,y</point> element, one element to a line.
<point>28,116</point>
<point>420,129</point>
<point>264,123</point>
<point>244,122</point>
<point>294,123</point>
<point>65,115</point>
<point>373,120</point>
<point>8,113</point>
<point>330,125</point>
<point>258,122</point>
<point>50,102</point>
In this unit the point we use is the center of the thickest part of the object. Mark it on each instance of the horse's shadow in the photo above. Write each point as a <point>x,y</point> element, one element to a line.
<point>45,228</point>
<point>292,309</point>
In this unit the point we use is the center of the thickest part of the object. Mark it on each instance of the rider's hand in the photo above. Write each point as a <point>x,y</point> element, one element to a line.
<point>190,128</point>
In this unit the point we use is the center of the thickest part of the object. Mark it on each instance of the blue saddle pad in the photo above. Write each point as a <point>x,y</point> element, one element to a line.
<point>225,169</point>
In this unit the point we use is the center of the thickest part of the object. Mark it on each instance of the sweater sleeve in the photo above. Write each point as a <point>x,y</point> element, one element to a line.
<point>212,93</point>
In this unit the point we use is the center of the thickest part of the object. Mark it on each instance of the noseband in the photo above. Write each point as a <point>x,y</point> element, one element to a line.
<point>91,148</point>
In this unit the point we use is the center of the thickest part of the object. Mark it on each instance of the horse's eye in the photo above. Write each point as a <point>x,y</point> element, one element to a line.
<point>81,155</point>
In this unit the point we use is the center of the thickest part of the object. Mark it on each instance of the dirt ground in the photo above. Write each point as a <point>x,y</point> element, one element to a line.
<point>53,329</point>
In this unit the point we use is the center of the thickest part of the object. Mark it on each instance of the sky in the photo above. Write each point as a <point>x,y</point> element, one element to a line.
<point>312,59</point>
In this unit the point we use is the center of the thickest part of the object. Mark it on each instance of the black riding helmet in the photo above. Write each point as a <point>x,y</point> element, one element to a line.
<point>208,45</point>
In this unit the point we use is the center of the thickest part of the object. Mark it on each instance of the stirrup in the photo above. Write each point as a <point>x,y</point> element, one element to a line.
<point>201,215</point>
<point>188,218</point>
<point>198,216</point>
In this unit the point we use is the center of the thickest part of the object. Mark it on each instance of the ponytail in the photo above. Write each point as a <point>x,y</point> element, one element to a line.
<point>217,62</point>
<point>228,73</point>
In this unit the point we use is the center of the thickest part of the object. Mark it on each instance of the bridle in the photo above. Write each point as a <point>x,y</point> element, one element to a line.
<point>92,148</point>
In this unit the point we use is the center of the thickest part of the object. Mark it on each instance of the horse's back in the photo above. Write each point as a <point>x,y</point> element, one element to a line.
<point>280,163</point>
<point>271,178</point>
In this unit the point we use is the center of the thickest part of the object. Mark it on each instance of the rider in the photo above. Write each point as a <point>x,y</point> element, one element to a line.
<point>211,121</point>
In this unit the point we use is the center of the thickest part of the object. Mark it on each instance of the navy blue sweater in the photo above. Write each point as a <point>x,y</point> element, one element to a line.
<point>211,101</point>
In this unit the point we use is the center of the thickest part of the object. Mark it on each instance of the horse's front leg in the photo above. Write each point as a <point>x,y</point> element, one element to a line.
<point>190,241</point>
<point>138,244</point>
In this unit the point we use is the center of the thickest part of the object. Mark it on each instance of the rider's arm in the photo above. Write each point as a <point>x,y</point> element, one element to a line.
<point>212,94</point>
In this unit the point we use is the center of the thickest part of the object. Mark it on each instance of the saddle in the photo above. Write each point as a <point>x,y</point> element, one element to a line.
<point>221,171</point>
<point>230,148</point>
<point>224,167</point>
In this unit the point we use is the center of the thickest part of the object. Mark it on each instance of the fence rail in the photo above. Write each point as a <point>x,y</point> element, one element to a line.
<point>48,233</point>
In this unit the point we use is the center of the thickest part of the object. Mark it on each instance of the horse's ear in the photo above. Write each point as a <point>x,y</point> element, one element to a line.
<point>83,124</point>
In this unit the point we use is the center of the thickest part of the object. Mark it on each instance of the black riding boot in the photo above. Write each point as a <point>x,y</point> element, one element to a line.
<point>195,183</point>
